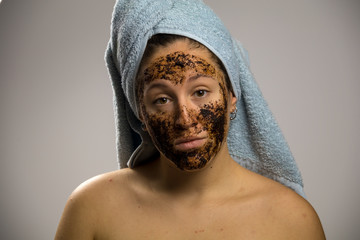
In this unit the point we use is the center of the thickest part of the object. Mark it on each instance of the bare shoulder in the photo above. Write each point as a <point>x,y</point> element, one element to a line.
<point>293,216</point>
<point>102,188</point>
<point>91,201</point>
<point>106,182</point>
<point>297,215</point>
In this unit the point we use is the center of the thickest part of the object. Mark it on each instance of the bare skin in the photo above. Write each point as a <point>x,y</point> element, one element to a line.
<point>187,199</point>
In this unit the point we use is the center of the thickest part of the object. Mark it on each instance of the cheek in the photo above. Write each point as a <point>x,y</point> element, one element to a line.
<point>213,118</point>
<point>214,114</point>
<point>160,127</point>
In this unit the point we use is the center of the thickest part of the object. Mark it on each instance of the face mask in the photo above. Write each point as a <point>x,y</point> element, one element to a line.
<point>192,142</point>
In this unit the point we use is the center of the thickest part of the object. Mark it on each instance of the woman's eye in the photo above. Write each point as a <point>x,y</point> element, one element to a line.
<point>162,100</point>
<point>200,93</point>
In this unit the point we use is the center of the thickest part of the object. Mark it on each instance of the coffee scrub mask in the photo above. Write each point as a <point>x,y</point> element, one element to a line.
<point>208,119</point>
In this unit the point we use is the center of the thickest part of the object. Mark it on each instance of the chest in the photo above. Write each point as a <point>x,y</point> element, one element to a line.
<point>162,222</point>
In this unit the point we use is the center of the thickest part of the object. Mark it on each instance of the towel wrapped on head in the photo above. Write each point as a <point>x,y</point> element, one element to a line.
<point>254,140</point>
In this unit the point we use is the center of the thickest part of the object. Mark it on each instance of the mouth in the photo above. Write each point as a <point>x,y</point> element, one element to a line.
<point>189,143</point>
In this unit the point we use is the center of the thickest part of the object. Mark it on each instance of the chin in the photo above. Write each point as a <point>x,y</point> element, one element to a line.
<point>193,160</point>
<point>192,164</point>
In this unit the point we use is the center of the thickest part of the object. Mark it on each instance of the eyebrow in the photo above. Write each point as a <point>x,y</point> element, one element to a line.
<point>157,85</point>
<point>190,79</point>
<point>193,78</point>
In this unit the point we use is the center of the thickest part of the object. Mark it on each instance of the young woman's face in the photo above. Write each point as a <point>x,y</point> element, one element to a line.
<point>183,102</point>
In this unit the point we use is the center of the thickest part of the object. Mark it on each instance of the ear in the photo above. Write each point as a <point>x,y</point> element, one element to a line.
<point>233,101</point>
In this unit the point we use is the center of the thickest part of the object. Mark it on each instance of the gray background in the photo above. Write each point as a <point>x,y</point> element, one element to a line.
<point>57,127</point>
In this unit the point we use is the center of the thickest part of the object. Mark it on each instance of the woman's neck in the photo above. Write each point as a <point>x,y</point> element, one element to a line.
<point>216,177</point>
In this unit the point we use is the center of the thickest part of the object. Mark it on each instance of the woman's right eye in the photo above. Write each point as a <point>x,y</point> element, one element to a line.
<point>161,101</point>
<point>200,93</point>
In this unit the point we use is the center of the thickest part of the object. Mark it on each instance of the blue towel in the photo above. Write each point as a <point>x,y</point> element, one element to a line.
<point>254,140</point>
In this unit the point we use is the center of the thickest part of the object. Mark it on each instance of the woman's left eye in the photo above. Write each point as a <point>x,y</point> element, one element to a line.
<point>200,93</point>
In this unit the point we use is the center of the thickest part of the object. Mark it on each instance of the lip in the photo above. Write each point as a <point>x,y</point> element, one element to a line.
<point>188,143</point>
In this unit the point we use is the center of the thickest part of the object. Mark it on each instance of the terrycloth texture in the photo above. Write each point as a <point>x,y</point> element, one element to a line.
<point>255,141</point>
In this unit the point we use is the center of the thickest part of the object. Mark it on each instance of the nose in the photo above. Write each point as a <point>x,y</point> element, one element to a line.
<point>184,119</point>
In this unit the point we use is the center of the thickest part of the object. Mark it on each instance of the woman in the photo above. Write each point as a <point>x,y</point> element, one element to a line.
<point>191,125</point>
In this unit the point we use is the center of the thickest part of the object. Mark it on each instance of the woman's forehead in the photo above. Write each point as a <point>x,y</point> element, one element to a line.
<point>181,75</point>
<point>181,45</point>
<point>177,62</point>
